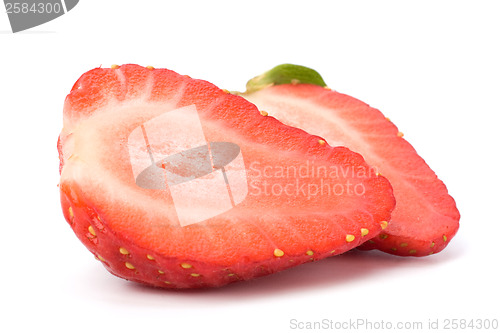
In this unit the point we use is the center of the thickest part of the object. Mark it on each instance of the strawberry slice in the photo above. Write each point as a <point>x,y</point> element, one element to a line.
<point>174,183</point>
<point>425,218</point>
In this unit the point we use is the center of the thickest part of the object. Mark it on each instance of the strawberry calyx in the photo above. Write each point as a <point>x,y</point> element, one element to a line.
<point>285,74</point>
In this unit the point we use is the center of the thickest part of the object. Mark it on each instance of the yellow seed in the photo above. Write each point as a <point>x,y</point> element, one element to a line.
<point>167,282</point>
<point>327,88</point>
<point>400,134</point>
<point>383,236</point>
<point>70,211</point>
<point>92,231</point>
<point>309,253</point>
<point>445,238</point>
<point>394,249</point>
<point>364,232</point>
<point>161,272</point>
<point>129,265</point>
<point>378,174</point>
<point>431,253</point>
<point>114,66</point>
<point>278,253</point>
<point>195,274</point>
<point>333,251</point>
<point>150,68</point>
<point>264,113</point>
<point>230,274</point>
<point>383,224</point>
<point>101,258</point>
<point>150,257</point>
<point>226,91</point>
<point>388,119</point>
<point>349,238</point>
<point>186,265</point>
<point>123,251</point>
<point>412,251</point>
<point>321,142</point>
<point>403,244</point>
<point>432,244</point>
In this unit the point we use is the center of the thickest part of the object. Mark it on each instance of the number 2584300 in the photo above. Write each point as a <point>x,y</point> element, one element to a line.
<point>34,8</point>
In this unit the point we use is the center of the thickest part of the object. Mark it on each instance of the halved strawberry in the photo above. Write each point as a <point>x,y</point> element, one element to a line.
<point>425,218</point>
<point>172,182</point>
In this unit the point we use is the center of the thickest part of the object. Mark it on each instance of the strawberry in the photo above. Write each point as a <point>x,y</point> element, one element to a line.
<point>172,182</point>
<point>425,218</point>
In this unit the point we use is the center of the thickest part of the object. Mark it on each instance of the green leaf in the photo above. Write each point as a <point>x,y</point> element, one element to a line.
<point>285,74</point>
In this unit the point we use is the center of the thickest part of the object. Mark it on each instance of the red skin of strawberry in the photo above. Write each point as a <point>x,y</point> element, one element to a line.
<point>132,231</point>
<point>426,217</point>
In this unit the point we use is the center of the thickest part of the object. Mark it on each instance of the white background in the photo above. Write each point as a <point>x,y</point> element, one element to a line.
<point>433,67</point>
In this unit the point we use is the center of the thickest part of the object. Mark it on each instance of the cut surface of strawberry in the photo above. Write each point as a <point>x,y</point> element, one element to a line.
<point>175,183</point>
<point>425,218</point>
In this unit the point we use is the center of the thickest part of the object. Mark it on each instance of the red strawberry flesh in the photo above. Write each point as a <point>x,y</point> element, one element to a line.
<point>425,218</point>
<point>135,231</point>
